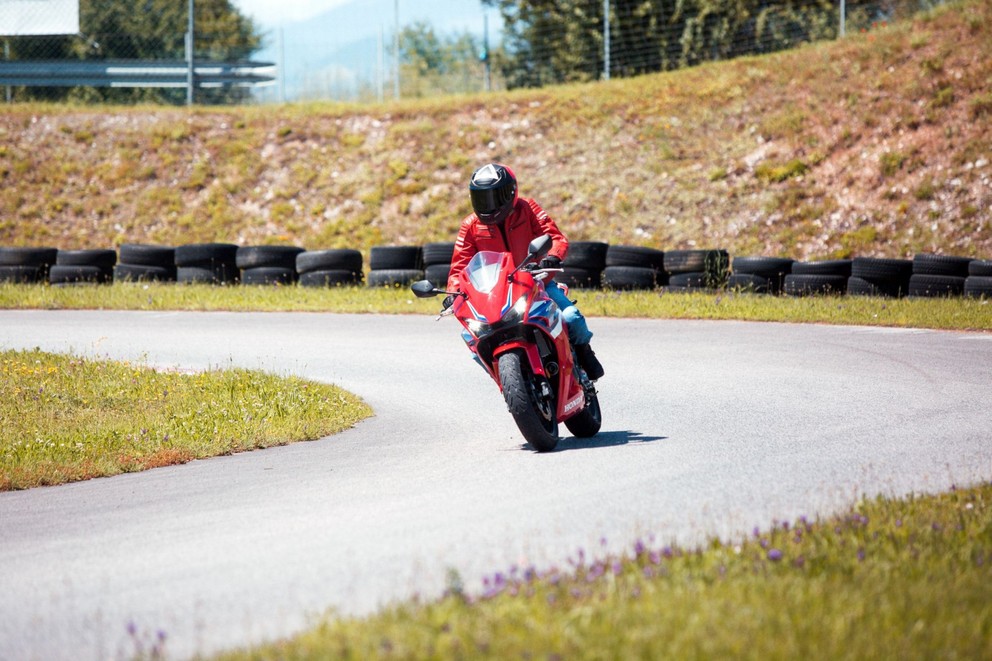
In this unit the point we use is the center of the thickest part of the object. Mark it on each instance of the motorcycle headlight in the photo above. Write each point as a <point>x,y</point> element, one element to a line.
<point>476,327</point>
<point>517,311</point>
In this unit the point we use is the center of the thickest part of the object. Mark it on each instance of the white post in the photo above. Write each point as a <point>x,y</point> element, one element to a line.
<point>843,11</point>
<point>485,53</point>
<point>396,46</point>
<point>282,65</point>
<point>189,57</point>
<point>606,39</point>
<point>380,74</point>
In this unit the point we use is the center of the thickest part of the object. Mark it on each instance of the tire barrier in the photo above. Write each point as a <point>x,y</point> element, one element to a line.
<point>267,265</point>
<point>437,262</point>
<point>590,264</point>
<point>207,263</point>
<point>145,263</point>
<point>395,266</point>
<point>26,265</point>
<point>74,267</point>
<point>329,268</point>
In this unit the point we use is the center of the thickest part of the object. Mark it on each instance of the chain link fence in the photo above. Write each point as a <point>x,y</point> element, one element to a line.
<point>128,51</point>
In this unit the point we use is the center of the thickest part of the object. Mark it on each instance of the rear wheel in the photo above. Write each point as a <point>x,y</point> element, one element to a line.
<point>587,423</point>
<point>531,402</point>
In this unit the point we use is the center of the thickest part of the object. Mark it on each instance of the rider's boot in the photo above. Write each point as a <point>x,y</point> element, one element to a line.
<point>589,362</point>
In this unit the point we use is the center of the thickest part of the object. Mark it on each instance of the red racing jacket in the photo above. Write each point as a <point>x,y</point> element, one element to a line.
<point>525,223</point>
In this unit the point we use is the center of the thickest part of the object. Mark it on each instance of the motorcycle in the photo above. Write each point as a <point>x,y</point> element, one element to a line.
<point>519,336</point>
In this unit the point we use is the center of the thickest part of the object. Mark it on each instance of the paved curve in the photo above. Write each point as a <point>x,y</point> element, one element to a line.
<point>710,428</point>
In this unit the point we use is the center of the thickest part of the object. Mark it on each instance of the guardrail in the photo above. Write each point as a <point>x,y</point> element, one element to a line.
<point>134,73</point>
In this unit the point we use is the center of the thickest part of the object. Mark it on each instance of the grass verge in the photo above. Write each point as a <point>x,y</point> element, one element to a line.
<point>64,419</point>
<point>890,579</point>
<point>936,313</point>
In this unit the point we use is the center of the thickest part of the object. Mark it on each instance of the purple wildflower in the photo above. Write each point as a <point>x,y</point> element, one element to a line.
<point>774,555</point>
<point>639,548</point>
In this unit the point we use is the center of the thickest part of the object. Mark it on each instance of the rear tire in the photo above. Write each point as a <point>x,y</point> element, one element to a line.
<point>586,424</point>
<point>533,413</point>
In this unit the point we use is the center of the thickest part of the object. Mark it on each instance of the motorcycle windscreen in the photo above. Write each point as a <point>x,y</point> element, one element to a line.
<point>483,271</point>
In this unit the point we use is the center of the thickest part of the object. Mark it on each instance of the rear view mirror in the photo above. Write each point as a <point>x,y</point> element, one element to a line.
<point>539,247</point>
<point>424,289</point>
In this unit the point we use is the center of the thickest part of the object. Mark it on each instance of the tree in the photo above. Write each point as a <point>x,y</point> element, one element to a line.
<point>148,30</point>
<point>432,64</point>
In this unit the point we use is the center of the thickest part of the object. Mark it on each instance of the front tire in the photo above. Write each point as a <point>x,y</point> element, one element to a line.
<point>532,410</point>
<point>587,422</point>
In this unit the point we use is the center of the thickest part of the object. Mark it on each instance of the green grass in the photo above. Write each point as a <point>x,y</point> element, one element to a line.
<point>64,419</point>
<point>891,579</point>
<point>936,313</point>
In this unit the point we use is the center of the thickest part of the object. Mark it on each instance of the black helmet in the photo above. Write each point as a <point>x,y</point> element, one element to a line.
<point>494,192</point>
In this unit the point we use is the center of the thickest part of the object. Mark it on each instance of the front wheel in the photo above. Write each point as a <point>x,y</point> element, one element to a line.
<point>587,422</point>
<point>531,402</point>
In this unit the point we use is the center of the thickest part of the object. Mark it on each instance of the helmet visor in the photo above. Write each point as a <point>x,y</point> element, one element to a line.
<point>488,201</point>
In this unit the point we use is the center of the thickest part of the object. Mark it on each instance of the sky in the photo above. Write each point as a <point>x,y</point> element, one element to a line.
<point>269,13</point>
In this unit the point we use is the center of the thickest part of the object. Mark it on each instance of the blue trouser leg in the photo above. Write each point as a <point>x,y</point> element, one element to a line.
<point>578,329</point>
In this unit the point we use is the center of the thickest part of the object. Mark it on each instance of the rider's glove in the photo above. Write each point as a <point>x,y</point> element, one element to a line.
<point>551,262</point>
<point>448,301</point>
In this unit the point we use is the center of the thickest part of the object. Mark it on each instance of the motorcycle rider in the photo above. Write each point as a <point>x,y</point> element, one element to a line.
<point>502,221</point>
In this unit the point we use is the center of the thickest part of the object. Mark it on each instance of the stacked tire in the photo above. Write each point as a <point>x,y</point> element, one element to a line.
<point>979,281</point>
<point>584,265</point>
<point>394,266</point>
<point>759,275</point>
<point>267,265</point>
<point>876,276</point>
<point>633,267</point>
<point>818,278</point>
<point>26,265</point>
<point>207,263</point>
<point>695,270</point>
<point>329,268</point>
<point>437,262</point>
<point>140,262</point>
<point>938,275</point>
<point>73,267</point>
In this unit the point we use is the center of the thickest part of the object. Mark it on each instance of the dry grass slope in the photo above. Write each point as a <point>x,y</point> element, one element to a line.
<point>876,145</point>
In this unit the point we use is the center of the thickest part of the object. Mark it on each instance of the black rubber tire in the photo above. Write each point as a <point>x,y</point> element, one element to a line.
<point>395,258</point>
<point>946,265</point>
<point>587,255</point>
<point>256,257</point>
<point>339,259</point>
<point>635,256</point>
<point>144,273</point>
<point>69,274</point>
<point>803,284</point>
<point>206,255</point>
<point>750,283</point>
<point>629,277</point>
<point>766,267</point>
<point>394,277</point>
<point>141,254</point>
<point>268,275</point>
<point>588,421</point>
<point>44,257</point>
<point>826,267</point>
<point>437,253</point>
<point>437,275</point>
<point>978,286</point>
<point>536,419</point>
<point>980,267</point>
<point>879,270</point>
<point>861,287</point>
<point>22,275</point>
<point>223,274</point>
<point>104,259</point>
<point>935,286</point>
<point>684,282</point>
<point>579,278</point>
<point>330,278</point>
<point>695,261</point>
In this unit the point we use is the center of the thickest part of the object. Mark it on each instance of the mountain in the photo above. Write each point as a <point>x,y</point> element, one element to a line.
<point>340,52</point>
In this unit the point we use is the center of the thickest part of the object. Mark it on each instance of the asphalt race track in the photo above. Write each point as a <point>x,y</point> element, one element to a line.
<point>710,428</point>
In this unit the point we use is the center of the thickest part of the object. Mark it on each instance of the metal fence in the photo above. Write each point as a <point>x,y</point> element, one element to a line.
<point>176,51</point>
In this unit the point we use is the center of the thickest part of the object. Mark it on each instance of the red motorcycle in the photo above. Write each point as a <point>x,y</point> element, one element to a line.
<point>518,335</point>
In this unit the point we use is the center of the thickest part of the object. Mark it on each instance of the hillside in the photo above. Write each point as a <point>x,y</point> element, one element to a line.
<point>876,145</point>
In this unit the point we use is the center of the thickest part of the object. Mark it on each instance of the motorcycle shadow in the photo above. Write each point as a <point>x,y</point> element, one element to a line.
<point>604,439</point>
